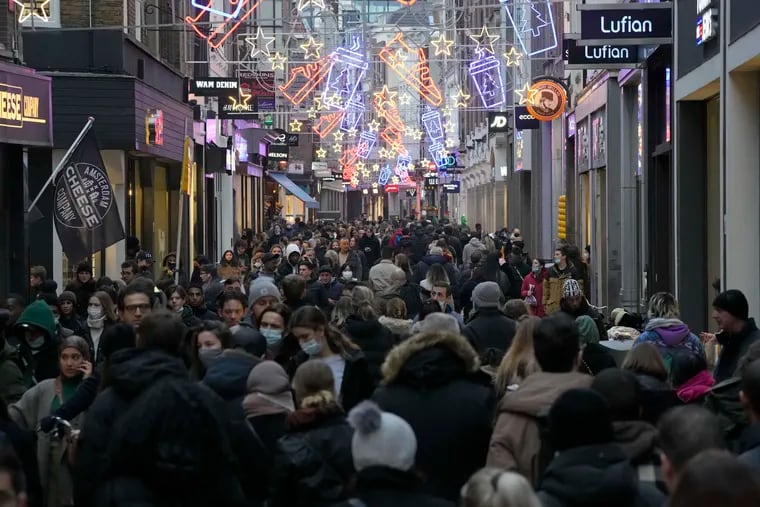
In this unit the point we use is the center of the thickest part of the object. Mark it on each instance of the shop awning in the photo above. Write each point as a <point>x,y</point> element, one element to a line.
<point>294,189</point>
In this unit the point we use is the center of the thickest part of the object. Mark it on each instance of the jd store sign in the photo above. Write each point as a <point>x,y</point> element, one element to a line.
<point>634,23</point>
<point>497,123</point>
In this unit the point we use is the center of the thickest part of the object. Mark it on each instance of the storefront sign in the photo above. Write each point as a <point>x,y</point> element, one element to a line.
<point>295,167</point>
<point>214,86</point>
<point>550,100</point>
<point>497,123</point>
<point>25,107</point>
<point>524,120</point>
<point>599,57</point>
<point>391,189</point>
<point>707,21</point>
<point>635,23</point>
<point>321,170</point>
<point>259,85</point>
<point>451,188</point>
<point>292,139</point>
<point>411,192</point>
<point>278,152</point>
<point>571,125</point>
<point>154,127</point>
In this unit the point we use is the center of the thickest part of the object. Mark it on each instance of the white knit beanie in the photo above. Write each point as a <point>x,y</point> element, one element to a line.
<point>381,439</point>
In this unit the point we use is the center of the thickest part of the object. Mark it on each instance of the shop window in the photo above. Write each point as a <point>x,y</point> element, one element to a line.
<point>37,13</point>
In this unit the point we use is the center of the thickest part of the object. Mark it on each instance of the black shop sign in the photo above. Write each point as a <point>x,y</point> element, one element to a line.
<point>626,23</point>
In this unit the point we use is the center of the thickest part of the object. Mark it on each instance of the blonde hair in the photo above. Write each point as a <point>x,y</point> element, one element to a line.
<point>663,305</point>
<point>314,384</point>
<point>493,487</point>
<point>343,309</point>
<point>519,361</point>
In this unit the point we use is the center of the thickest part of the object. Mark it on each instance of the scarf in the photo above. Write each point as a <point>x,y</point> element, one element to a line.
<point>696,387</point>
<point>258,404</point>
<point>96,323</point>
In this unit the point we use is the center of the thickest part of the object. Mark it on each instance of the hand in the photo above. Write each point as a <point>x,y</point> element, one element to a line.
<point>501,261</point>
<point>86,369</point>
<point>706,337</point>
<point>47,424</point>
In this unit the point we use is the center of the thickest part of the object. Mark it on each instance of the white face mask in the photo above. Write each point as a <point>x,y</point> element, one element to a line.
<point>94,312</point>
<point>348,275</point>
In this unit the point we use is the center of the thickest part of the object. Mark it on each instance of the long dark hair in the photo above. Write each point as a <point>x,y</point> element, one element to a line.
<point>312,317</point>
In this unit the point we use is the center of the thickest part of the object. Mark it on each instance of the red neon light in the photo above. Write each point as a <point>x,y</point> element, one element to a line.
<point>418,77</point>
<point>313,73</point>
<point>327,123</point>
<point>226,29</point>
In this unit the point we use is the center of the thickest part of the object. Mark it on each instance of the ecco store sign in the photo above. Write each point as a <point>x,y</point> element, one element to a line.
<point>639,23</point>
<point>497,123</point>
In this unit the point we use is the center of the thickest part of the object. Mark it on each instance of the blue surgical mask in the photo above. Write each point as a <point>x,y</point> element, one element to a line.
<point>208,356</point>
<point>311,347</point>
<point>273,336</point>
<point>537,269</point>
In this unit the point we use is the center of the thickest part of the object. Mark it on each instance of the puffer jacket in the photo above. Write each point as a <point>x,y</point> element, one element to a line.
<point>313,463</point>
<point>424,378</point>
<point>552,289</point>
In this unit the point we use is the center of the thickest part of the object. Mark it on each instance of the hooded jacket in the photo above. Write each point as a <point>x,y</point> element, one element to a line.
<point>424,379</point>
<point>471,246</point>
<point>400,327</point>
<point>12,385</point>
<point>132,372</point>
<point>670,335</point>
<point>638,440</point>
<point>41,363</point>
<point>734,348</point>
<point>594,476</point>
<point>286,268</point>
<point>516,440</point>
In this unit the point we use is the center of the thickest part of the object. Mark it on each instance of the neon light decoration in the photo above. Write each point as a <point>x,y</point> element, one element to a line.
<point>513,57</point>
<point>295,125</point>
<point>433,126</point>
<point>38,10</point>
<point>486,74</point>
<point>318,4</point>
<point>532,34</point>
<point>527,94</point>
<point>403,163</point>
<point>418,77</point>
<point>385,96</point>
<point>373,125</point>
<point>304,79</point>
<point>346,74</point>
<point>404,99</point>
<point>442,45</point>
<point>484,41</point>
<point>321,153</point>
<point>352,132</point>
<point>462,98</point>
<point>438,152</point>
<point>354,115</point>
<point>327,123</point>
<point>367,141</point>
<point>312,48</point>
<point>407,3</point>
<point>338,136</point>
<point>237,14</point>
<point>277,61</point>
<point>385,175</point>
<point>260,43</point>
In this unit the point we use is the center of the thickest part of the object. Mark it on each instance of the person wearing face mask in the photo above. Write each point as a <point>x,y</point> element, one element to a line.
<point>320,340</point>
<point>100,316</point>
<point>272,324</point>
<point>38,347</point>
<point>67,312</point>
<point>562,270</point>
<point>44,398</point>
<point>532,289</point>
<point>206,344</point>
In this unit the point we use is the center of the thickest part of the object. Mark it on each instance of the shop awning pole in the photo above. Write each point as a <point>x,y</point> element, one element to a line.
<point>62,163</point>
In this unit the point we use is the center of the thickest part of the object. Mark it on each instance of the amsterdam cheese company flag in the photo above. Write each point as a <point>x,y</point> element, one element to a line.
<point>86,216</point>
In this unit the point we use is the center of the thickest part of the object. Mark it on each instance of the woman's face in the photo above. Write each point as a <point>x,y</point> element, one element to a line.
<point>71,361</point>
<point>66,307</point>
<point>335,246</point>
<point>272,320</point>
<point>176,302</point>
<point>536,265</point>
<point>208,340</point>
<point>305,334</point>
<point>277,229</point>
<point>84,277</point>
<point>95,304</point>
<point>352,242</point>
<point>228,256</point>
<point>277,250</point>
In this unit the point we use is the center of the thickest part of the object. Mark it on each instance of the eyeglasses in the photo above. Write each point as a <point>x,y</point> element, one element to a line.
<point>133,308</point>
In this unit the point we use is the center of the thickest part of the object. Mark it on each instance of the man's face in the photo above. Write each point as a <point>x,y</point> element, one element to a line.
<point>136,306</point>
<point>325,278</point>
<point>144,264</point>
<point>205,277</point>
<point>234,286</point>
<point>127,275</point>
<point>294,258</point>
<point>304,272</point>
<point>438,294</point>
<point>233,312</point>
<point>195,297</point>
<point>262,304</point>
<point>723,319</point>
<point>344,245</point>
<point>241,249</point>
<point>35,281</point>
<point>574,302</point>
<point>15,309</point>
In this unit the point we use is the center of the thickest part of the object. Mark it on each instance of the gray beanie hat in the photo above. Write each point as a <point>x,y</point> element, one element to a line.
<point>487,295</point>
<point>260,288</point>
<point>381,439</point>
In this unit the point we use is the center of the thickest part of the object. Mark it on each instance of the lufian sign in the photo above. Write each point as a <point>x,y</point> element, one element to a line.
<point>606,56</point>
<point>634,23</point>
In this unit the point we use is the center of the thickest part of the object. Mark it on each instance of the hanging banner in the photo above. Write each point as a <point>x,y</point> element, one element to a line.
<point>86,216</point>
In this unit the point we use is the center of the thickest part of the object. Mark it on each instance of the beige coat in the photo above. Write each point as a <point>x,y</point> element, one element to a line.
<point>55,474</point>
<point>516,443</point>
<point>381,277</point>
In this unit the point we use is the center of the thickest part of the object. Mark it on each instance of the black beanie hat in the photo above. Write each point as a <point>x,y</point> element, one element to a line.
<point>579,417</point>
<point>734,302</point>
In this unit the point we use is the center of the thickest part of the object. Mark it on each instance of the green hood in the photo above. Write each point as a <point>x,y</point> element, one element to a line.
<point>38,314</point>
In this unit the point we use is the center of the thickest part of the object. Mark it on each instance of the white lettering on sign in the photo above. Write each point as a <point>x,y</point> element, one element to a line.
<point>527,117</point>
<point>703,5</point>
<point>499,122</point>
<point>603,52</point>
<point>625,25</point>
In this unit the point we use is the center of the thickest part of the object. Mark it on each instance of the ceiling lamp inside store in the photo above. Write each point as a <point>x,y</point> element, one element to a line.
<point>377,84</point>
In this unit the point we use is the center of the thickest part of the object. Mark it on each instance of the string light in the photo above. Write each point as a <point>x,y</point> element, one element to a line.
<point>513,57</point>
<point>338,136</point>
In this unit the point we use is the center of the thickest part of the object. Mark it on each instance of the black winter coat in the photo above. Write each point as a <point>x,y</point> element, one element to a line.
<point>595,359</point>
<point>749,446</point>
<point>429,383</point>
<point>489,329</point>
<point>25,447</point>
<point>734,348</point>
<point>386,487</point>
<point>313,463</point>
<point>656,398</point>
<point>375,340</point>
<point>595,476</point>
<point>132,372</point>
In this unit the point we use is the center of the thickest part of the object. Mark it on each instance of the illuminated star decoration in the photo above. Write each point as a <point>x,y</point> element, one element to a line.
<point>338,136</point>
<point>277,61</point>
<point>295,125</point>
<point>318,103</point>
<point>373,125</point>
<point>317,4</point>
<point>360,166</point>
<point>446,112</point>
<point>484,41</point>
<point>243,104</point>
<point>449,125</point>
<point>352,132</point>
<point>527,94</point>
<point>337,147</point>
<point>513,57</point>
<point>418,134</point>
<point>404,99</point>
<point>375,168</point>
<point>462,98</point>
<point>37,9</point>
<point>311,113</point>
<point>384,152</point>
<point>260,43</point>
<point>385,96</point>
<point>442,45</point>
<point>321,152</point>
<point>451,143</point>
<point>312,48</point>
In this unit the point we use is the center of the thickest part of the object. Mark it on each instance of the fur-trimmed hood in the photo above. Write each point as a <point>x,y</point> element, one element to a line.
<point>430,358</point>
<point>400,327</point>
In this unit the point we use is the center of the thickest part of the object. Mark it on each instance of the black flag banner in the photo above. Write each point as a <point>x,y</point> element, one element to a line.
<point>86,216</point>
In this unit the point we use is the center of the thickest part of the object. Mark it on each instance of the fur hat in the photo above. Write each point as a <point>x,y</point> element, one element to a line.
<point>381,439</point>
